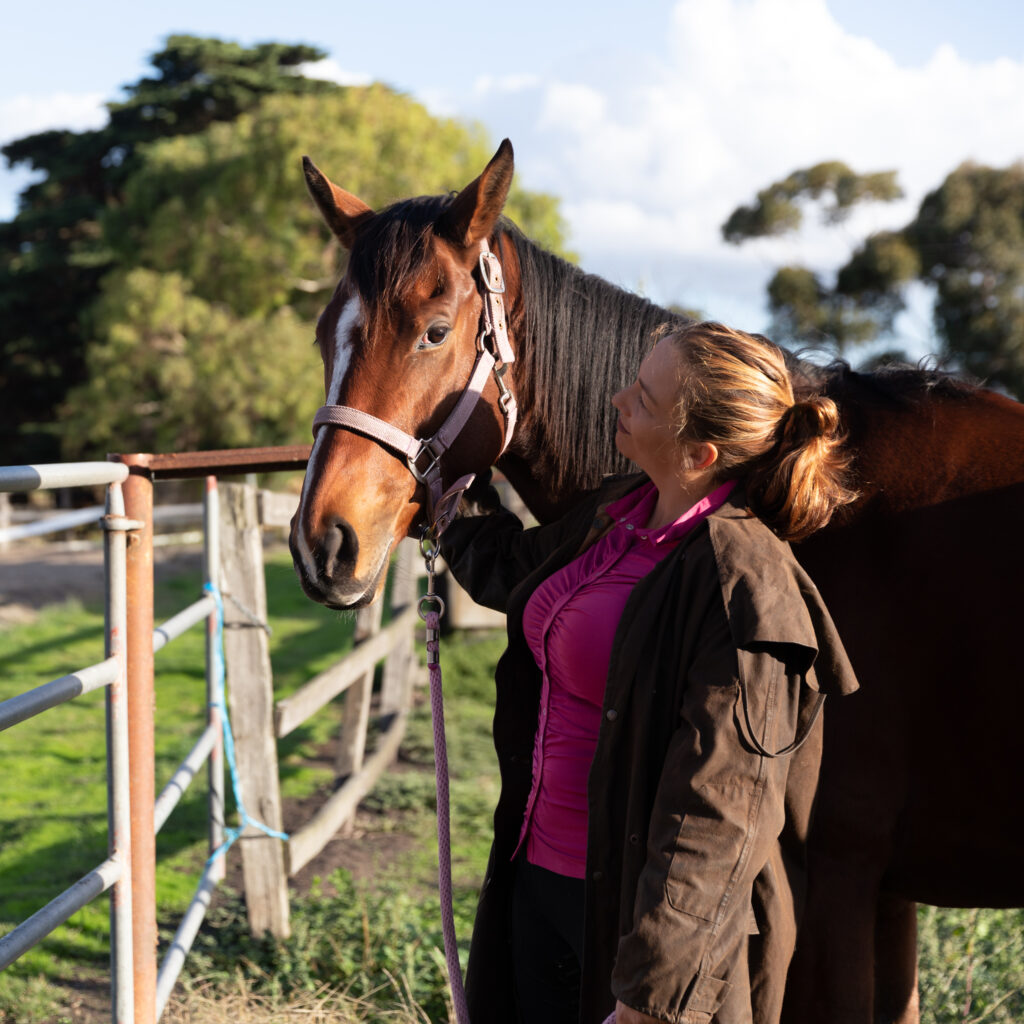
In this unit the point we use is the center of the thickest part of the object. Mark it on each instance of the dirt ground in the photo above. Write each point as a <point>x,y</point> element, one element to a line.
<point>35,575</point>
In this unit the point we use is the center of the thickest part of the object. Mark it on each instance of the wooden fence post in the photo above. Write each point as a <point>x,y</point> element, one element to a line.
<point>356,713</point>
<point>5,517</point>
<point>251,704</point>
<point>395,682</point>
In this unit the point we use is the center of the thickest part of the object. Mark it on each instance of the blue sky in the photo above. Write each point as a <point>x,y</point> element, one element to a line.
<point>651,126</point>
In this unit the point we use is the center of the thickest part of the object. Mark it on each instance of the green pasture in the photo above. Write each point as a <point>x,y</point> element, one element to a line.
<point>377,941</point>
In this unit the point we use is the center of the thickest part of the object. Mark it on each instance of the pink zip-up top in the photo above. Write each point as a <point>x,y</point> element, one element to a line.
<point>570,623</point>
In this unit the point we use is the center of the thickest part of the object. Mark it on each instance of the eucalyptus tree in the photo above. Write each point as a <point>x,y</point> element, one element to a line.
<point>965,243</point>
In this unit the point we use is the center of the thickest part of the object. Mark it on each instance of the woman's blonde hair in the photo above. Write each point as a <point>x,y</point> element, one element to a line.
<point>735,392</point>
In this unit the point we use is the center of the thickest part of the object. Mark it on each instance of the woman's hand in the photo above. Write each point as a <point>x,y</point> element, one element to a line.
<point>627,1015</point>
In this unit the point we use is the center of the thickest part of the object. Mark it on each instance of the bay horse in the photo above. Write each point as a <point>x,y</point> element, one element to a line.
<point>921,777</point>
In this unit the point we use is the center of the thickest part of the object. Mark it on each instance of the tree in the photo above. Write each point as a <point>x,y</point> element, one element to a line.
<point>202,336</point>
<point>54,253</point>
<point>966,243</point>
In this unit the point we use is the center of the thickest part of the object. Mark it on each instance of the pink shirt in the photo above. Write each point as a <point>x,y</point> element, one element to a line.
<point>570,623</point>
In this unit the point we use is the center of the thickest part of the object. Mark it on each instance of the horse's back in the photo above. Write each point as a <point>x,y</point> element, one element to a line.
<point>922,771</point>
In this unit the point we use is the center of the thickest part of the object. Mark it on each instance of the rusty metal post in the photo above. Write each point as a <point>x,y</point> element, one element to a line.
<point>215,766</point>
<point>138,501</point>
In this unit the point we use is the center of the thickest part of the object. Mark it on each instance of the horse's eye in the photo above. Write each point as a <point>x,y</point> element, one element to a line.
<point>436,335</point>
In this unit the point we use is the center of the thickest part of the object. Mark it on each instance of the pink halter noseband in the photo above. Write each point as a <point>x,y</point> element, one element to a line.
<point>494,332</point>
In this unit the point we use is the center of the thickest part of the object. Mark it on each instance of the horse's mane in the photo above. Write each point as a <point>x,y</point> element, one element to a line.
<point>587,338</point>
<point>900,384</point>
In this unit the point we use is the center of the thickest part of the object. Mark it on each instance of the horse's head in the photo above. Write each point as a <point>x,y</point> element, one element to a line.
<point>399,343</point>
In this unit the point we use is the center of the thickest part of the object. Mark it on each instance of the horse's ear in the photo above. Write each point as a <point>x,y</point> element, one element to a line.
<point>476,209</point>
<point>343,211</point>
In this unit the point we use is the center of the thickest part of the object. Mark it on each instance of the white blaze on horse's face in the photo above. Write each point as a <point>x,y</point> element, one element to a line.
<point>350,321</point>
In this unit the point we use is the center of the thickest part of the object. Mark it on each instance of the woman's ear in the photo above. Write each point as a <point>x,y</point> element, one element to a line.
<point>698,455</point>
<point>706,455</point>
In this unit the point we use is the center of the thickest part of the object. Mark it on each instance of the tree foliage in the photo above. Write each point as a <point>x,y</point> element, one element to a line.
<point>162,252</point>
<point>54,251</point>
<point>966,243</point>
<point>778,208</point>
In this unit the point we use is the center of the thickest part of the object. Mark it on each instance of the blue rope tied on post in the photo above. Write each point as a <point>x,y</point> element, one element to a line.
<point>244,820</point>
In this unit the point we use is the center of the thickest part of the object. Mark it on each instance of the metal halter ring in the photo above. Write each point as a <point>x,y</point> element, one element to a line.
<point>429,544</point>
<point>432,599</point>
<point>423,475</point>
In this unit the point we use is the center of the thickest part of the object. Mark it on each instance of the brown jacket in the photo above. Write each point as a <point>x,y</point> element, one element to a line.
<point>698,805</point>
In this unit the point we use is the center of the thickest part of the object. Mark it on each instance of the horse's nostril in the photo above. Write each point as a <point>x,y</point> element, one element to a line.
<point>340,547</point>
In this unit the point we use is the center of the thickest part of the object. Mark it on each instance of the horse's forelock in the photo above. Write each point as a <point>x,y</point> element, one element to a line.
<point>392,253</point>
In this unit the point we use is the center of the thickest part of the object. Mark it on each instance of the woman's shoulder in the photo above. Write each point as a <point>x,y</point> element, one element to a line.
<point>768,596</point>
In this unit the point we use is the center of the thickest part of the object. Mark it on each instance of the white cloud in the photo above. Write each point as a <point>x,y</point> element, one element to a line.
<point>25,115</point>
<point>498,84</point>
<point>746,91</point>
<point>330,70</point>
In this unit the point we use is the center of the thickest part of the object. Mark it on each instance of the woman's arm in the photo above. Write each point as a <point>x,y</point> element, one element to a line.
<point>718,810</point>
<point>491,554</point>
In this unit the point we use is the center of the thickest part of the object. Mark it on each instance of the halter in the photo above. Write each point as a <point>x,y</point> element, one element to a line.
<point>494,353</point>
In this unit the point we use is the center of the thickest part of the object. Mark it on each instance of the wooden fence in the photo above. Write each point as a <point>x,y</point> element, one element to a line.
<point>259,721</point>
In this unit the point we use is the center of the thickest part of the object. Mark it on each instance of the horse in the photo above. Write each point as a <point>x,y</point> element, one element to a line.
<point>921,773</point>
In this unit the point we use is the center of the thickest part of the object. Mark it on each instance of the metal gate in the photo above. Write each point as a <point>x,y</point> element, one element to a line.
<point>139,990</point>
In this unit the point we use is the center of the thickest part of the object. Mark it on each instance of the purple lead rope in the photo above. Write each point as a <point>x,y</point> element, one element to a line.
<point>432,619</point>
<point>444,846</point>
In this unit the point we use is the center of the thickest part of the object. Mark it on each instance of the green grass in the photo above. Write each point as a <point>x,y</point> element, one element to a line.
<point>360,936</point>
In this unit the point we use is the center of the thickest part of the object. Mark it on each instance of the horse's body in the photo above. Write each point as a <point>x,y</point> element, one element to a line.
<point>921,768</point>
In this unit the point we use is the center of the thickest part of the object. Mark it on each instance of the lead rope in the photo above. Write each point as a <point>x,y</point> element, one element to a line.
<point>432,617</point>
<point>429,548</point>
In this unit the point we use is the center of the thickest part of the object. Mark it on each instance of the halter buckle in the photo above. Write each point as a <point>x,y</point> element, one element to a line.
<point>490,273</point>
<point>423,476</point>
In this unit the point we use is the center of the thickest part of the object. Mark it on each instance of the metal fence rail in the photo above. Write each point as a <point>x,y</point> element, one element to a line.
<point>209,749</point>
<point>111,673</point>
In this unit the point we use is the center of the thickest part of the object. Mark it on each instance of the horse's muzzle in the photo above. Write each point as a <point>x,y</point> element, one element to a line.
<point>327,571</point>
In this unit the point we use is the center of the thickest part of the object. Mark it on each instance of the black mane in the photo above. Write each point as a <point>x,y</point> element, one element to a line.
<point>587,338</point>
<point>901,384</point>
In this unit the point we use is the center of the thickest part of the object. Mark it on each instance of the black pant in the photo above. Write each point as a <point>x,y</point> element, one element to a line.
<point>547,944</point>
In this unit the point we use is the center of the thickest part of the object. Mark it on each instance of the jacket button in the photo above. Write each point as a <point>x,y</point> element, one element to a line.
<point>597,876</point>
<point>611,714</point>
<point>634,838</point>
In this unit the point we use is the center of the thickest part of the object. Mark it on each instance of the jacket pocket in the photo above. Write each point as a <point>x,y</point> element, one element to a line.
<point>708,845</point>
<point>706,996</point>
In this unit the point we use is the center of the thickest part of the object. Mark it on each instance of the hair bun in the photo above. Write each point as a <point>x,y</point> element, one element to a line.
<point>810,418</point>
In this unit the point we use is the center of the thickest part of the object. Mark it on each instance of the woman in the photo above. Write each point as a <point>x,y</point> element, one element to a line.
<point>657,721</point>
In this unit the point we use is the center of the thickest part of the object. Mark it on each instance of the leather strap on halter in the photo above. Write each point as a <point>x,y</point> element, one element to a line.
<point>441,507</point>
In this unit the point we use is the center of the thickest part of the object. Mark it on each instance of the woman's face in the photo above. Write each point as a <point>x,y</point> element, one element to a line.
<point>646,428</point>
